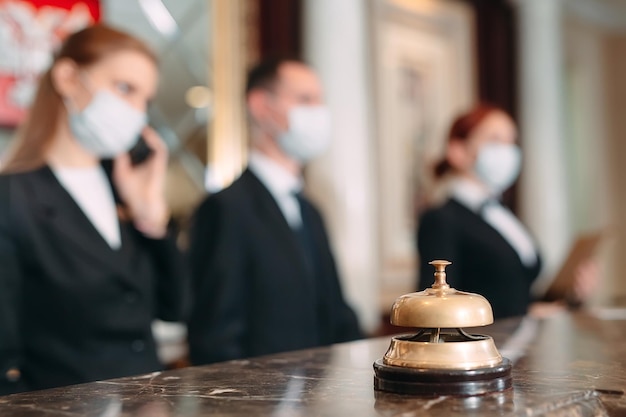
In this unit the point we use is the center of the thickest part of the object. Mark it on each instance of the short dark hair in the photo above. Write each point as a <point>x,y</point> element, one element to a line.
<point>265,74</point>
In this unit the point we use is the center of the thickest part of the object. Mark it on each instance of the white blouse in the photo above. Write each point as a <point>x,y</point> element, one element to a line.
<point>91,190</point>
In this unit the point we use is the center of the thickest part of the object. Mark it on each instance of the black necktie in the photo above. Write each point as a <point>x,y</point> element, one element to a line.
<point>303,233</point>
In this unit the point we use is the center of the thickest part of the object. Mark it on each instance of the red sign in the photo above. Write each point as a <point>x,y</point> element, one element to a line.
<point>30,32</point>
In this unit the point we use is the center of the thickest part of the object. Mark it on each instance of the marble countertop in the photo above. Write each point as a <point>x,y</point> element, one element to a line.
<point>570,364</point>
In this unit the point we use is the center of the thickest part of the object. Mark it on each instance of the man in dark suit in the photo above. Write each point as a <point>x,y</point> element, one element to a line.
<point>265,280</point>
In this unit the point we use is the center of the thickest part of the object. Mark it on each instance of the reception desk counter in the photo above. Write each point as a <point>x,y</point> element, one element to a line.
<point>568,365</point>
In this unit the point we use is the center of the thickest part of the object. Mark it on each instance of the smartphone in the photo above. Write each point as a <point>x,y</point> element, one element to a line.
<point>140,152</point>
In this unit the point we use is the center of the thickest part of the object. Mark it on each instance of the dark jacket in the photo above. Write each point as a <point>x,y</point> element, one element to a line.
<point>253,291</point>
<point>71,308</point>
<point>483,261</point>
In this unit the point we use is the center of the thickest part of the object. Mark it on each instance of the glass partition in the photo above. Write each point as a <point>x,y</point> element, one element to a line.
<point>179,31</point>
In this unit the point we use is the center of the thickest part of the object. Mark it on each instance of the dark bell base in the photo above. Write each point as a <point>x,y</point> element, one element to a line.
<point>401,380</point>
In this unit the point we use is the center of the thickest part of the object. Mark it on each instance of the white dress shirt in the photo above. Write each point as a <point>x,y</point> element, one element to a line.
<point>281,183</point>
<point>478,200</point>
<point>91,190</point>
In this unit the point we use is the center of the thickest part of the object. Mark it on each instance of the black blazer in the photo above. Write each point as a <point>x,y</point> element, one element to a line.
<point>253,292</point>
<point>482,260</point>
<point>71,308</point>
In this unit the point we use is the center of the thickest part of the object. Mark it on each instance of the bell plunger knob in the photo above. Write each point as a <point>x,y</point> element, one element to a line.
<point>440,273</point>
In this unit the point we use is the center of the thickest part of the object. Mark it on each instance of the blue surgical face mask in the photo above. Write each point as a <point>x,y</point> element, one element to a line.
<point>108,126</point>
<point>498,165</point>
<point>308,134</point>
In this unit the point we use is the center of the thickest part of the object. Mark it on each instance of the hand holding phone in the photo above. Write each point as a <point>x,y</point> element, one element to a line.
<point>139,177</point>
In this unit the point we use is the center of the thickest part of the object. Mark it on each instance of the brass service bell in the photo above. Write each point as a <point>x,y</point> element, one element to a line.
<point>441,358</point>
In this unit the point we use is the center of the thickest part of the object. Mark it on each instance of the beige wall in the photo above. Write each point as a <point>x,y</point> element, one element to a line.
<point>615,82</point>
<point>591,199</point>
<point>595,64</point>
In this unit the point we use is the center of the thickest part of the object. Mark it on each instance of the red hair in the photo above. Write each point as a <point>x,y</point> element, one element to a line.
<point>85,48</point>
<point>462,128</point>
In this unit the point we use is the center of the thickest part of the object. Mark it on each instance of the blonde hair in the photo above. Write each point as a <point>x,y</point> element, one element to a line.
<point>85,48</point>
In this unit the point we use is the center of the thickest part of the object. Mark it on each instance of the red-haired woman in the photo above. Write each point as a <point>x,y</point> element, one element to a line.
<point>492,253</point>
<point>80,284</point>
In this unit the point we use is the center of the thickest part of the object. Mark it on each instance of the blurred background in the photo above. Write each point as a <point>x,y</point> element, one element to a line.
<point>395,73</point>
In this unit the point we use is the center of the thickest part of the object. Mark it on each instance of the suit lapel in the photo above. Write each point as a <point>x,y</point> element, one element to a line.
<point>495,235</point>
<point>55,206</point>
<point>269,211</point>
